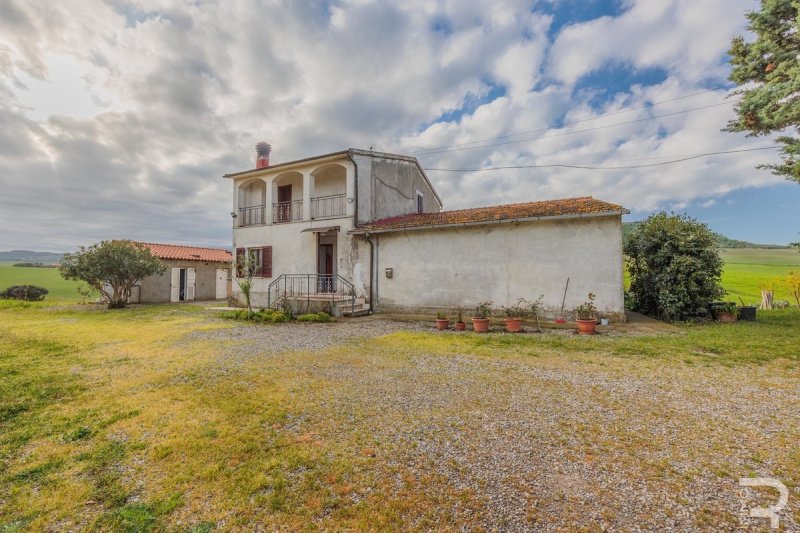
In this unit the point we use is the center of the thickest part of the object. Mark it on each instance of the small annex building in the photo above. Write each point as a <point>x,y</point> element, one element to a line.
<point>193,273</point>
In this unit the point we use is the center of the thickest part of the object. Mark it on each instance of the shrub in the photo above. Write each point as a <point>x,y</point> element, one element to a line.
<point>315,317</point>
<point>28,293</point>
<point>674,265</point>
<point>483,310</point>
<point>264,316</point>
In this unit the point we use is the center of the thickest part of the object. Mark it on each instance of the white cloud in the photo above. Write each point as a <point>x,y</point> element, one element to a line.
<point>160,98</point>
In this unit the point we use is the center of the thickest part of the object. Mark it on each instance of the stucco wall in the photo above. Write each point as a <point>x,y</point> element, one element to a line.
<point>388,187</point>
<point>448,268</point>
<point>294,252</point>
<point>156,289</point>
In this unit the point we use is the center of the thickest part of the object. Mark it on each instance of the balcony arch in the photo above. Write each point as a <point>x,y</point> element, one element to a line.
<point>252,199</point>
<point>329,191</point>
<point>287,197</point>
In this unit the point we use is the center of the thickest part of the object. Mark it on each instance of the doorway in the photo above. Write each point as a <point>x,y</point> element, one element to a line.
<point>182,284</point>
<point>284,213</point>
<point>326,263</point>
<point>222,284</point>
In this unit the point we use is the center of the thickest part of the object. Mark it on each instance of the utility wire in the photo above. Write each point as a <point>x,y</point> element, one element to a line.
<point>646,106</point>
<point>577,131</point>
<point>553,165</point>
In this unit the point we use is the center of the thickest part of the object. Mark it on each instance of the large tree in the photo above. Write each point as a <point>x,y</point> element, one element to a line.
<point>768,71</point>
<point>675,266</point>
<point>111,268</point>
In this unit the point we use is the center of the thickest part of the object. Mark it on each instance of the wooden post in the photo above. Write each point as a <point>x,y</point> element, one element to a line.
<point>766,299</point>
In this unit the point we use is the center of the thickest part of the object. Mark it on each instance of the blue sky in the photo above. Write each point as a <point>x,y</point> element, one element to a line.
<point>120,117</point>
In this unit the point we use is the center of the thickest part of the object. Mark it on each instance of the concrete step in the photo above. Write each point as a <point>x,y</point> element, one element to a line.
<point>359,310</point>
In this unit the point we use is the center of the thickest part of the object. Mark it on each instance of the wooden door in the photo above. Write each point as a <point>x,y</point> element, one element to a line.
<point>284,213</point>
<point>222,284</point>
<point>191,283</point>
<point>175,285</point>
<point>325,268</point>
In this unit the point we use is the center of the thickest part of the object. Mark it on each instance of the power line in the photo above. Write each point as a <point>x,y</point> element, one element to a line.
<point>646,106</point>
<point>577,131</point>
<point>563,165</point>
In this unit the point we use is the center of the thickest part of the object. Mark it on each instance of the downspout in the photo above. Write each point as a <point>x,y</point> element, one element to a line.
<point>355,189</point>
<point>372,278</point>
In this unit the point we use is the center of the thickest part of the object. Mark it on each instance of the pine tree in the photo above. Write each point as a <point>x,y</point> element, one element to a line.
<point>768,70</point>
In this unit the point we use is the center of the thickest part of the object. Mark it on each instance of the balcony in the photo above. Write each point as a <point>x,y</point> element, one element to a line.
<point>283,212</point>
<point>334,205</point>
<point>252,216</point>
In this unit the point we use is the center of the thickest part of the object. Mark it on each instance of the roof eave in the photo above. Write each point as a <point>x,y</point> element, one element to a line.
<point>367,231</point>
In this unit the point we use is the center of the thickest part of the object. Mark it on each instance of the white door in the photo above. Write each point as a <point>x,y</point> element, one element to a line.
<point>222,283</point>
<point>190,283</point>
<point>175,285</point>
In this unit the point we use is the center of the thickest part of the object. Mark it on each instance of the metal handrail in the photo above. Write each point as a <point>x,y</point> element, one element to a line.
<point>332,205</point>
<point>297,286</point>
<point>252,216</point>
<point>283,212</point>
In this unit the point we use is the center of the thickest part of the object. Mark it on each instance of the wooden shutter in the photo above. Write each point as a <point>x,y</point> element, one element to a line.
<point>191,279</point>
<point>175,285</point>
<point>266,262</point>
<point>239,260</point>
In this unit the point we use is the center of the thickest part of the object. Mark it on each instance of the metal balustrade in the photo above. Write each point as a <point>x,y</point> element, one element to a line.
<point>317,287</point>
<point>334,205</point>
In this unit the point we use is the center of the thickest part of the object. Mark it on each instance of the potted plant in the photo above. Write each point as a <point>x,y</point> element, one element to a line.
<point>586,316</point>
<point>514,314</point>
<point>480,322</point>
<point>441,321</point>
<point>460,324</point>
<point>726,312</point>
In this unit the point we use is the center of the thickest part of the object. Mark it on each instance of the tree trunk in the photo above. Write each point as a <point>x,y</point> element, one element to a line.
<point>766,300</point>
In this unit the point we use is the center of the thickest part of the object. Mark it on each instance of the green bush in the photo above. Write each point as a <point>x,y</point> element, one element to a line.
<point>264,316</point>
<point>675,267</point>
<point>28,293</point>
<point>315,317</point>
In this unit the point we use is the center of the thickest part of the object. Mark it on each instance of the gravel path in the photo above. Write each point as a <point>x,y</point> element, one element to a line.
<point>542,443</point>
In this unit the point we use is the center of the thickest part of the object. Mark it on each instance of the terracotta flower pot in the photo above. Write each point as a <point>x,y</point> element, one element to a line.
<point>724,316</point>
<point>442,323</point>
<point>587,327</point>
<point>461,326</point>
<point>480,325</point>
<point>513,325</point>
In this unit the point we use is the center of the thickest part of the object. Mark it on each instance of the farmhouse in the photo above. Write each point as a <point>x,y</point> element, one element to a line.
<point>363,231</point>
<point>192,273</point>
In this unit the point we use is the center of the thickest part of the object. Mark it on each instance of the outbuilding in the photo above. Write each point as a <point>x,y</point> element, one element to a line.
<point>193,273</point>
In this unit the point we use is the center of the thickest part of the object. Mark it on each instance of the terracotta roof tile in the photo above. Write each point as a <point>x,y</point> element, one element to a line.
<point>187,253</point>
<point>551,208</point>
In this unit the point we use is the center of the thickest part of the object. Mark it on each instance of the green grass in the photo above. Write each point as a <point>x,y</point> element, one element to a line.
<point>116,420</point>
<point>60,289</point>
<point>747,269</point>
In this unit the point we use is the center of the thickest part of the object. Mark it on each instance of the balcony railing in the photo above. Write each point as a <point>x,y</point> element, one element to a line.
<point>334,205</point>
<point>287,211</point>
<point>252,216</point>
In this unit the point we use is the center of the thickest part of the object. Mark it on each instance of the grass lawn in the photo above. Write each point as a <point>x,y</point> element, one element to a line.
<point>169,418</point>
<point>60,289</point>
<point>746,269</point>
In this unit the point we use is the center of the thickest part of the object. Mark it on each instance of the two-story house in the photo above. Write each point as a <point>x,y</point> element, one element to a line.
<point>360,231</point>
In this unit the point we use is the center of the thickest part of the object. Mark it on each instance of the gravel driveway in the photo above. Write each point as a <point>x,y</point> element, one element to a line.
<point>528,443</point>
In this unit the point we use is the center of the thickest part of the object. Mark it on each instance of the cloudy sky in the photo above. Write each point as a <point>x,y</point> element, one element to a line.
<point>120,117</point>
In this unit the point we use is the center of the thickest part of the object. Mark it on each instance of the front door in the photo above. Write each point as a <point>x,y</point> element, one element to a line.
<point>325,268</point>
<point>284,213</point>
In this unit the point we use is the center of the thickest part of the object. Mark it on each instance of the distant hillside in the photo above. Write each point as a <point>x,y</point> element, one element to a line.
<point>722,240</point>
<point>30,257</point>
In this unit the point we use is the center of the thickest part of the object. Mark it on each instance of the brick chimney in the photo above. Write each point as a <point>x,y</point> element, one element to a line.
<point>262,154</point>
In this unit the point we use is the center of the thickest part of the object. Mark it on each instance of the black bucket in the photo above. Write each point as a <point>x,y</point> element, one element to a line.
<point>747,313</point>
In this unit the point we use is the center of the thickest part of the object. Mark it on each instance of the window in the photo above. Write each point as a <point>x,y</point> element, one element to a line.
<point>260,261</point>
<point>420,203</point>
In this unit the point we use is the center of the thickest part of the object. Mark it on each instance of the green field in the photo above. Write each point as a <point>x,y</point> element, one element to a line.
<point>49,278</point>
<point>746,269</point>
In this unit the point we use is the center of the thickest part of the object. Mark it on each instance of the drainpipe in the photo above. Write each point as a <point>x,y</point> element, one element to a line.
<point>372,278</point>
<point>355,191</point>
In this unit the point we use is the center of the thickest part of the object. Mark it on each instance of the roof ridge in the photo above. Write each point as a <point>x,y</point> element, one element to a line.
<point>182,246</point>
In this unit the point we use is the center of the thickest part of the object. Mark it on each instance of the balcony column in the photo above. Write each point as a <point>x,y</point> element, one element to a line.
<point>308,192</point>
<point>350,190</point>
<point>267,200</point>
